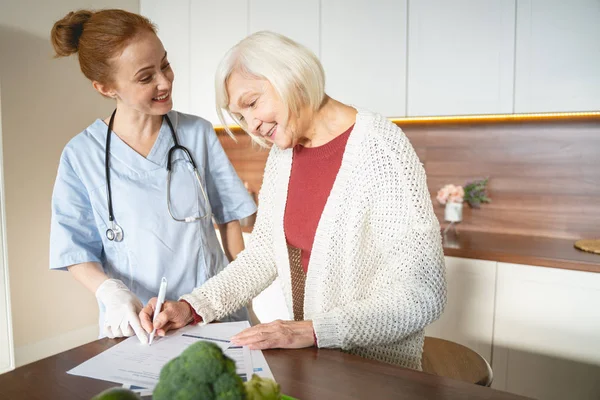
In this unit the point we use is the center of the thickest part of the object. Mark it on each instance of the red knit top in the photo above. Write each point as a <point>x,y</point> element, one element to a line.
<point>313,173</point>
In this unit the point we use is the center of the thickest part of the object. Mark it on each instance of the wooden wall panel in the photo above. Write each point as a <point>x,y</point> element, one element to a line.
<point>544,176</point>
<point>247,158</point>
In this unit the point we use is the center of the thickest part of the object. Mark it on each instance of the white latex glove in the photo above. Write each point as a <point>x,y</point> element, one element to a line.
<point>122,309</point>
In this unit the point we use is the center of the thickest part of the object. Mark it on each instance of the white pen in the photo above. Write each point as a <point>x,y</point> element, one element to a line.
<point>159,302</point>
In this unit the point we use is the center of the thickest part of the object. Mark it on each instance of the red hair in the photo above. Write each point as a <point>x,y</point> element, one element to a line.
<point>97,37</point>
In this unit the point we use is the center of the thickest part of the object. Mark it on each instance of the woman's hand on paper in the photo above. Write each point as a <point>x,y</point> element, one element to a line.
<point>174,315</point>
<point>277,334</point>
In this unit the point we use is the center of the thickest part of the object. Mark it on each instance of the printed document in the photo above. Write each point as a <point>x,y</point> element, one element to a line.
<point>134,364</point>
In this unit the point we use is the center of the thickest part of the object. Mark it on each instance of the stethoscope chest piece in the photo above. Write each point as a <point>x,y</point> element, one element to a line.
<point>114,233</point>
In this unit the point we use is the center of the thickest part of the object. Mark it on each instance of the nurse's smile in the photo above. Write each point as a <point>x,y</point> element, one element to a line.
<point>162,98</point>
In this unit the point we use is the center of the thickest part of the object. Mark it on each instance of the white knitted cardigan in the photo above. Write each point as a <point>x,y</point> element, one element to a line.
<point>376,274</point>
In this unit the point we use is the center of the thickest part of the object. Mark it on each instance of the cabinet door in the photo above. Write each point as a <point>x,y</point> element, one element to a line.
<point>215,26</point>
<point>469,315</point>
<point>298,20</point>
<point>196,35</point>
<point>363,50</point>
<point>173,22</point>
<point>460,57</point>
<point>547,332</point>
<point>558,56</point>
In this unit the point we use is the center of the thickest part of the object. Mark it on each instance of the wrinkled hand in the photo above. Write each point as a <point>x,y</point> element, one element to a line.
<point>174,315</point>
<point>276,334</point>
<point>122,308</point>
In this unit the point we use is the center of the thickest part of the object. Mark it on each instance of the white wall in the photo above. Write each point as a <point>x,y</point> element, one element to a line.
<point>45,102</point>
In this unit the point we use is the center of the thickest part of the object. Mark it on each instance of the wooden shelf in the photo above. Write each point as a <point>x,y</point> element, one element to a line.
<point>515,249</point>
<point>520,249</point>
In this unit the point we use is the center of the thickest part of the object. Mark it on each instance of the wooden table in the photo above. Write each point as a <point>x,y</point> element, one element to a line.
<point>305,374</point>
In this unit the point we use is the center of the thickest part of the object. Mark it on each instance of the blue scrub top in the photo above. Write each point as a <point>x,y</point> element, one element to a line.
<point>154,244</point>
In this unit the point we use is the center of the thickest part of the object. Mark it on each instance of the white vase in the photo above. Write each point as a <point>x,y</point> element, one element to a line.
<point>453,212</point>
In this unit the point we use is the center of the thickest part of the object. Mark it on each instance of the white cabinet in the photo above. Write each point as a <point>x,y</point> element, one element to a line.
<point>173,23</point>
<point>557,56</point>
<point>216,27</point>
<point>547,332</point>
<point>298,20</point>
<point>460,57</point>
<point>363,50</point>
<point>469,315</point>
<point>196,35</point>
<point>400,57</point>
<point>538,327</point>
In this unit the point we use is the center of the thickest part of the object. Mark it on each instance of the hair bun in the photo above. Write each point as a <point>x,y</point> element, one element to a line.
<point>67,31</point>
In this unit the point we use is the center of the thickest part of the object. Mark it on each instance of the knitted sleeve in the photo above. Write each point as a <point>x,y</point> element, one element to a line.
<point>251,272</point>
<point>407,238</point>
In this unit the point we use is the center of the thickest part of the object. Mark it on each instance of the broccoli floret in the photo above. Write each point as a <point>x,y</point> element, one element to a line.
<point>259,388</point>
<point>229,387</point>
<point>230,365</point>
<point>203,372</point>
<point>116,394</point>
<point>203,360</point>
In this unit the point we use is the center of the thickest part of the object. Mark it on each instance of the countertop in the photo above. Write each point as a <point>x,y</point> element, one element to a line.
<point>516,249</point>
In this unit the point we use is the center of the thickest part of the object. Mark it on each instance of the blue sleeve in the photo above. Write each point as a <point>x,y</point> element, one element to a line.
<point>228,197</point>
<point>74,236</point>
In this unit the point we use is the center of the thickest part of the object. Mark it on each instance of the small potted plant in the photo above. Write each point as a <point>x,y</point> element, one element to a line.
<point>474,193</point>
<point>452,197</point>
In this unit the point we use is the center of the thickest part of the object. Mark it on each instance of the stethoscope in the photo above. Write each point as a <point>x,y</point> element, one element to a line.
<point>115,232</point>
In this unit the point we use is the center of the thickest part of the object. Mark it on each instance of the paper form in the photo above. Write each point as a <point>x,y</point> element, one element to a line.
<point>243,361</point>
<point>259,364</point>
<point>134,364</point>
<point>259,367</point>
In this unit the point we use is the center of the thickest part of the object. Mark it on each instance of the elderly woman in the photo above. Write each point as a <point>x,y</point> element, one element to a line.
<point>345,218</point>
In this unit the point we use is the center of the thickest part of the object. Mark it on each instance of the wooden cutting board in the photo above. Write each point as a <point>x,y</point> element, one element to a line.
<point>591,245</point>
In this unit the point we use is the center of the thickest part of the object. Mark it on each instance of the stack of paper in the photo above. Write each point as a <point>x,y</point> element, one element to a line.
<point>138,366</point>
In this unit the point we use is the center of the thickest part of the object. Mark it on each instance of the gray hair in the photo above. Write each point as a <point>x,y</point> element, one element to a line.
<point>294,71</point>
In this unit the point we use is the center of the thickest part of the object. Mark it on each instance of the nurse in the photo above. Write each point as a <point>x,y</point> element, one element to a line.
<point>136,192</point>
